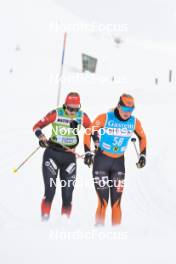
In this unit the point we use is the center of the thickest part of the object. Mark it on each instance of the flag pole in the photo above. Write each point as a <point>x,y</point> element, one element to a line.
<point>61,69</point>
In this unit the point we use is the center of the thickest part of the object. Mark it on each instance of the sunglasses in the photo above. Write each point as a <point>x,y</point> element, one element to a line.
<point>72,109</point>
<point>126,108</point>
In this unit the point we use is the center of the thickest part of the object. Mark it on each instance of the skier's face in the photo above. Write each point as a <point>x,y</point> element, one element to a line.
<point>71,111</point>
<point>124,114</point>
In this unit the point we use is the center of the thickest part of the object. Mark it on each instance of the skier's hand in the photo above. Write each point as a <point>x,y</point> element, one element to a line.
<point>73,124</point>
<point>43,142</point>
<point>141,162</point>
<point>89,159</point>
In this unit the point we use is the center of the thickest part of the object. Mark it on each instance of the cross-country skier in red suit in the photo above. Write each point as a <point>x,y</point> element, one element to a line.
<point>59,153</point>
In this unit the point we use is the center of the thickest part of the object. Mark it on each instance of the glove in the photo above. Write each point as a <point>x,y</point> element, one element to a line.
<point>96,145</point>
<point>141,162</point>
<point>73,124</point>
<point>89,159</point>
<point>43,142</point>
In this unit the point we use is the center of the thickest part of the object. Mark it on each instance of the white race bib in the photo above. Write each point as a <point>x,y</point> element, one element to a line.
<point>66,140</point>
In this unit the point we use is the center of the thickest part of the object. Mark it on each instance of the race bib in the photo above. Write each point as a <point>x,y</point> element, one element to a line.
<point>66,140</point>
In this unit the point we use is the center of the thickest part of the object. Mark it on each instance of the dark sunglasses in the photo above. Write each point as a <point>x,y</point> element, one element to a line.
<point>72,109</point>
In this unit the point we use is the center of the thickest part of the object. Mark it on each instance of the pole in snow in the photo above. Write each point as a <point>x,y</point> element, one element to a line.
<point>170,75</point>
<point>156,81</point>
<point>26,159</point>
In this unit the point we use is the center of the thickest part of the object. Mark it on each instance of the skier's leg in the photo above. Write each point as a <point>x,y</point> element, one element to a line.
<point>50,170</point>
<point>68,178</point>
<point>101,178</point>
<point>117,178</point>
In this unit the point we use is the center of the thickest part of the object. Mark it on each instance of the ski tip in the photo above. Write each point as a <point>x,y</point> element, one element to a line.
<point>14,170</point>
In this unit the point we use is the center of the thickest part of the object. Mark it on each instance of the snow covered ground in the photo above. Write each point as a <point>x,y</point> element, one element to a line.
<point>31,47</point>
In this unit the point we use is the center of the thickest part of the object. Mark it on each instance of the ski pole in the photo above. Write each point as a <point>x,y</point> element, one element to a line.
<point>137,152</point>
<point>134,143</point>
<point>83,155</point>
<point>22,163</point>
<point>79,156</point>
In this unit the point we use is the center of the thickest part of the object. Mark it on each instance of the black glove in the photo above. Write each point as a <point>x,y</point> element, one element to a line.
<point>96,145</point>
<point>141,162</point>
<point>73,124</point>
<point>88,159</point>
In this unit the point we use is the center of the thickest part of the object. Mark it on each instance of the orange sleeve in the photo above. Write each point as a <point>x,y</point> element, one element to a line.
<point>141,136</point>
<point>86,120</point>
<point>98,123</point>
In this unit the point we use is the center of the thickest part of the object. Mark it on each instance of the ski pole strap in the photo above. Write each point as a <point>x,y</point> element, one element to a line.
<point>83,155</point>
<point>67,149</point>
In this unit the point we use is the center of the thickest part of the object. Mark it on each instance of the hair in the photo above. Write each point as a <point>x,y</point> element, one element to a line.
<point>127,96</point>
<point>73,94</point>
